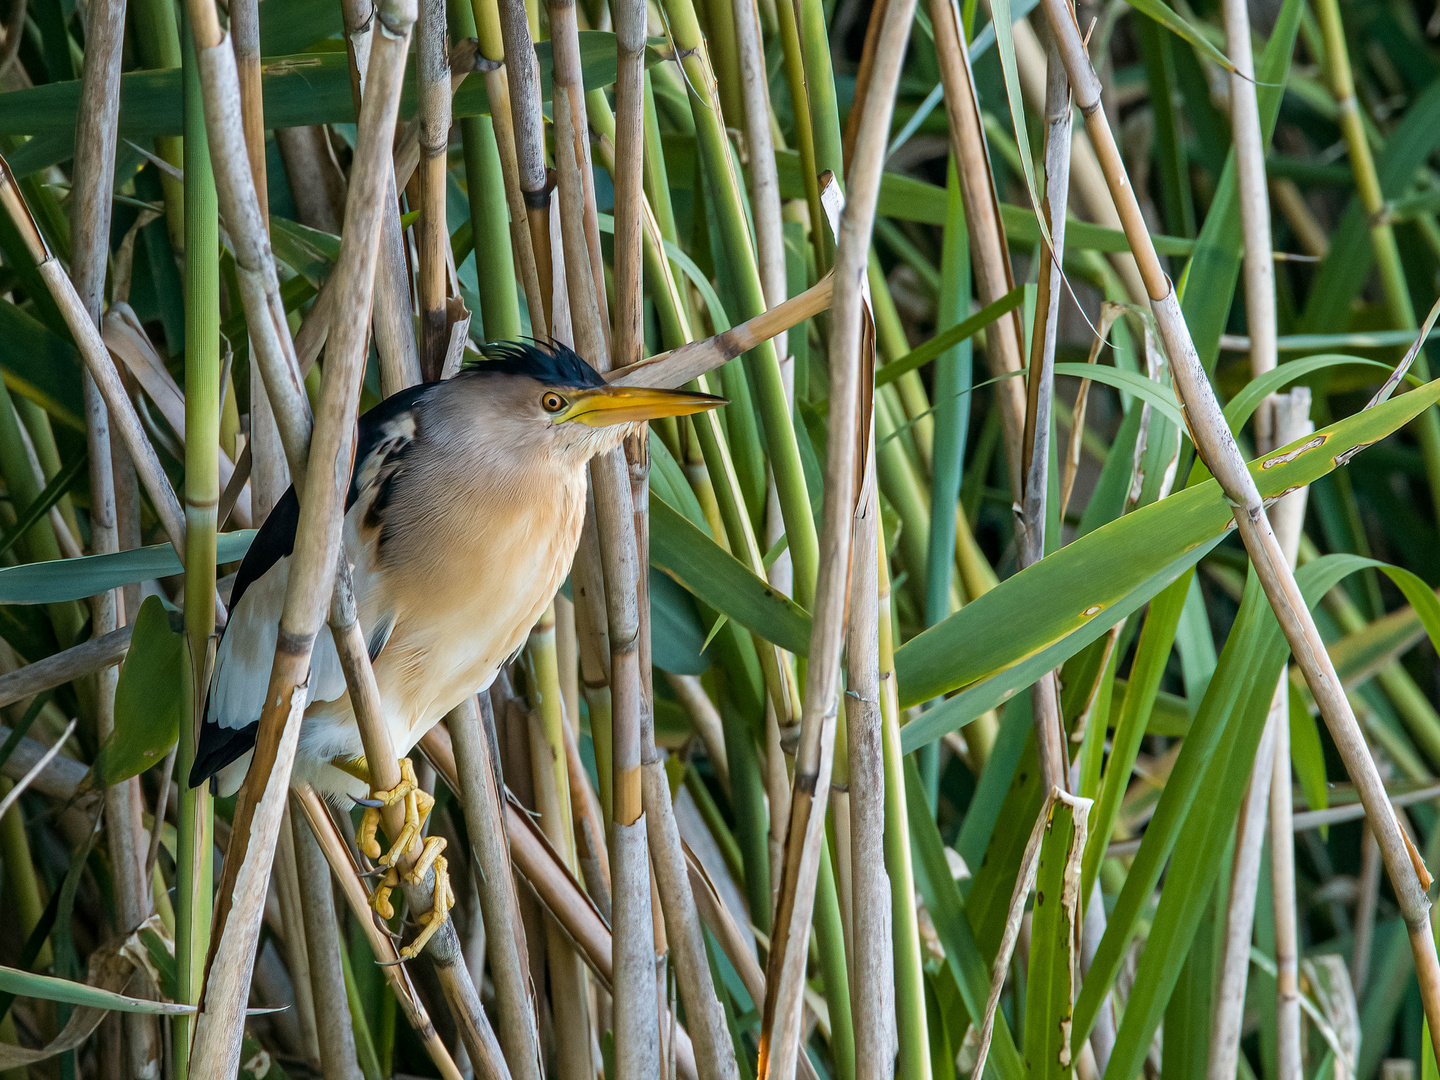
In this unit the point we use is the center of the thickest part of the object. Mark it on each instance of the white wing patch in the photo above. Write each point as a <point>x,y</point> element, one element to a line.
<point>247,653</point>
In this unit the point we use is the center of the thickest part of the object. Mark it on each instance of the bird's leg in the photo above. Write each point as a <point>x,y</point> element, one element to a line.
<point>418,804</point>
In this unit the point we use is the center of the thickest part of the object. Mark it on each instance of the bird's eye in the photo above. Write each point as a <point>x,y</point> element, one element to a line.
<point>552,402</point>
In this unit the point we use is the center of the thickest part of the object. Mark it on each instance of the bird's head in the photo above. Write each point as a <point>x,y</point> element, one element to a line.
<point>550,393</point>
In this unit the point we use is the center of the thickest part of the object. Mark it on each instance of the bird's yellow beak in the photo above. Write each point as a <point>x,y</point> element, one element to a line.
<point>606,405</point>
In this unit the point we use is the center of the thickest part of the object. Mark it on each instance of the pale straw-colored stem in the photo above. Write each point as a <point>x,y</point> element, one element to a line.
<point>335,1041</point>
<point>504,933</point>
<point>528,131</point>
<point>94,176</point>
<point>1217,447</point>
<point>1228,1014</point>
<point>845,444</point>
<point>90,656</point>
<point>245,38</point>
<point>872,960</point>
<point>764,179</point>
<point>391,314</point>
<point>245,222</point>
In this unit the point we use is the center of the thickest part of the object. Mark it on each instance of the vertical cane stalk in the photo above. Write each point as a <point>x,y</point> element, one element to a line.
<point>194,868</point>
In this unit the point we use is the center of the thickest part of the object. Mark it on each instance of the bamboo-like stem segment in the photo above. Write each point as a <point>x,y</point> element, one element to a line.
<point>433,67</point>
<point>504,932</point>
<point>1217,446</point>
<point>872,959</point>
<point>1227,1016</point>
<point>335,1034</point>
<point>195,846</point>
<point>846,441</point>
<point>528,131</point>
<point>239,204</point>
<point>94,174</point>
<point>391,314</point>
<point>317,549</point>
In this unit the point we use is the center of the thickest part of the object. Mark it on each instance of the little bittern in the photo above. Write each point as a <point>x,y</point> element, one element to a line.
<point>464,511</point>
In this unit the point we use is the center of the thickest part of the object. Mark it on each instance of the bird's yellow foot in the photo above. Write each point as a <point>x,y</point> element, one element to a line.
<point>418,804</point>
<point>444,899</point>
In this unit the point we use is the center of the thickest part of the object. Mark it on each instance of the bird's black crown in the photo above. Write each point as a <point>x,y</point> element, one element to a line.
<point>548,362</point>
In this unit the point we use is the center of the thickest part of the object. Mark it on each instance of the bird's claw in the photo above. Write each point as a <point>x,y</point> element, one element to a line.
<point>418,804</point>
<point>444,898</point>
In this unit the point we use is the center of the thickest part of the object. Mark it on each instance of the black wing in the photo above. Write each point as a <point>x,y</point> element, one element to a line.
<point>217,746</point>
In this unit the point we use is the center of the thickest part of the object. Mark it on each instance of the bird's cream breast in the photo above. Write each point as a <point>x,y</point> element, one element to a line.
<point>465,600</point>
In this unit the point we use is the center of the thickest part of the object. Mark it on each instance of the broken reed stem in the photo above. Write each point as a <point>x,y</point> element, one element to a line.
<point>335,1033</point>
<point>988,249</point>
<point>529,133</point>
<point>245,223</point>
<point>872,980</point>
<point>94,174</point>
<point>433,68</point>
<point>98,363</point>
<point>1035,464</point>
<point>316,551</point>
<point>504,932</point>
<point>195,808</point>
<point>347,874</point>
<point>1217,447</point>
<point>849,367</point>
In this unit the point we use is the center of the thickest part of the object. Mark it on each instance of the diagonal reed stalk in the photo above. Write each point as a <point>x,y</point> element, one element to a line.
<point>850,370</point>
<point>1218,449</point>
<point>433,71</point>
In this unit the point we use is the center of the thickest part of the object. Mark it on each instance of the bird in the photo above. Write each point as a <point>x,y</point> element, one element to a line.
<point>463,514</point>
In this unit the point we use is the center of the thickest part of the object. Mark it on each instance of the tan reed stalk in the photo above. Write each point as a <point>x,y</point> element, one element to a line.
<point>96,654</point>
<point>846,441</point>
<point>336,1037</point>
<point>988,249</point>
<point>872,958</point>
<point>529,135</point>
<point>1259,283</point>
<point>317,548</point>
<point>90,204</point>
<point>1216,445</point>
<point>764,179</point>
<point>394,324</point>
<point>314,176</point>
<point>472,765</point>
<point>245,35</point>
<point>679,366</point>
<point>433,70</point>
<point>550,773</point>
<point>347,875</point>
<point>491,56</point>
<point>240,208</point>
